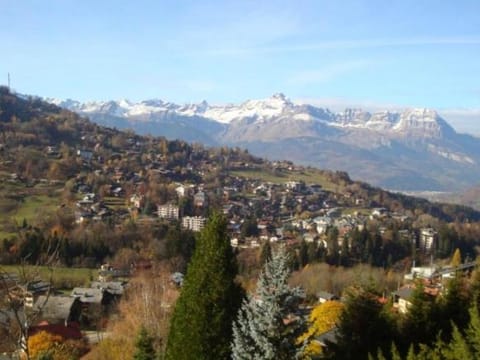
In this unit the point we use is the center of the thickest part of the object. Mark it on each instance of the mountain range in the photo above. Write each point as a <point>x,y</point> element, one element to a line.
<point>415,149</point>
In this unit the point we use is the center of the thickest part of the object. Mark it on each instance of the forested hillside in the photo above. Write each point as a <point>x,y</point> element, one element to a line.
<point>89,194</point>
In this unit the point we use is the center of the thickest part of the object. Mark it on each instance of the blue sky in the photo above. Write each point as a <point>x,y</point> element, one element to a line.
<point>372,54</point>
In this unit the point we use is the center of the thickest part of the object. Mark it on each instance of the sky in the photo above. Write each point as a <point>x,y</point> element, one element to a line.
<point>373,54</point>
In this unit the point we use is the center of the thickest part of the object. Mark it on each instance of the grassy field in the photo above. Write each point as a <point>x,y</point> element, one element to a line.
<point>309,176</point>
<point>62,278</point>
<point>33,206</point>
<point>19,201</point>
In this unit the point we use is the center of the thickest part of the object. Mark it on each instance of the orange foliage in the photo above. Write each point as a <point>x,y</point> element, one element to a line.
<point>43,342</point>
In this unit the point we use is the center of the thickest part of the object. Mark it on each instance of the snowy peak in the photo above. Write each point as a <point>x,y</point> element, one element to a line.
<point>424,123</point>
<point>412,122</point>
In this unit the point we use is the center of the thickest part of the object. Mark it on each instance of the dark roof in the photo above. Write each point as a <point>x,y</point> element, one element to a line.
<point>88,295</point>
<point>326,295</point>
<point>113,287</point>
<point>54,308</point>
<point>328,337</point>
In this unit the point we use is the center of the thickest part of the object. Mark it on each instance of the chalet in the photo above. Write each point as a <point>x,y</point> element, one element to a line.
<point>421,272</point>
<point>52,151</point>
<point>117,191</point>
<point>108,273</point>
<point>86,155</point>
<point>379,212</point>
<point>57,309</point>
<point>324,296</point>
<point>114,288</point>
<point>82,216</point>
<point>35,289</point>
<point>94,303</point>
<point>89,295</point>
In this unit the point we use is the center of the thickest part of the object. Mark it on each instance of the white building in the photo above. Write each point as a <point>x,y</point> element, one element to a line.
<point>168,211</point>
<point>194,223</point>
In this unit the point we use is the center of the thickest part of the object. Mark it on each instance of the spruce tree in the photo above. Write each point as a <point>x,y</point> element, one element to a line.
<point>266,327</point>
<point>363,327</point>
<point>201,326</point>
<point>144,346</point>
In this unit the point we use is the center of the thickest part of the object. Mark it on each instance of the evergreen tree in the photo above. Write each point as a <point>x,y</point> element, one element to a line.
<point>453,306</point>
<point>201,326</point>
<point>266,327</point>
<point>363,327</point>
<point>421,322</point>
<point>303,254</point>
<point>265,252</point>
<point>144,346</point>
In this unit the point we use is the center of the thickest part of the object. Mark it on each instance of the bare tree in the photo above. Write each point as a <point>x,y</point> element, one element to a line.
<point>17,313</point>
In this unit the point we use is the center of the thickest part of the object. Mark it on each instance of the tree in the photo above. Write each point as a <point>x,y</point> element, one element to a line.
<point>420,322</point>
<point>144,346</point>
<point>363,326</point>
<point>456,258</point>
<point>249,228</point>
<point>323,318</point>
<point>265,252</point>
<point>43,344</point>
<point>267,327</point>
<point>303,254</point>
<point>201,326</point>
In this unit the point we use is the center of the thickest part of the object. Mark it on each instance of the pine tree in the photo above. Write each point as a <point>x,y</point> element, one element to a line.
<point>144,346</point>
<point>265,252</point>
<point>201,326</point>
<point>266,327</point>
<point>363,327</point>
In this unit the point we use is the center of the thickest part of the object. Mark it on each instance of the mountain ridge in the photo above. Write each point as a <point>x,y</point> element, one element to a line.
<point>417,147</point>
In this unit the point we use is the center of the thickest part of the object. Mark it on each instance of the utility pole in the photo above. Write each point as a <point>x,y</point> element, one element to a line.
<point>8,81</point>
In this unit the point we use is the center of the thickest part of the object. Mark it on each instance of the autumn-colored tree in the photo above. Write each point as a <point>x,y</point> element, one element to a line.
<point>148,302</point>
<point>43,344</point>
<point>323,318</point>
<point>456,258</point>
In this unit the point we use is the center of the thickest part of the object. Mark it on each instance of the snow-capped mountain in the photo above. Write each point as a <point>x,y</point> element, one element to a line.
<point>413,149</point>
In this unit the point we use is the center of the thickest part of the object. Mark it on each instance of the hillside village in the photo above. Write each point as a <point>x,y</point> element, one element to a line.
<point>113,198</point>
